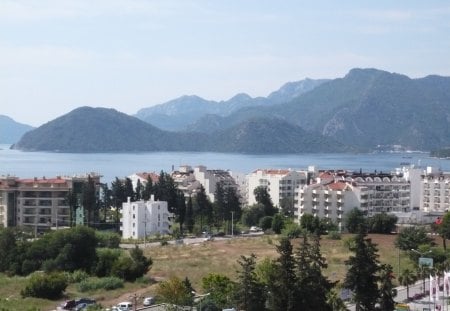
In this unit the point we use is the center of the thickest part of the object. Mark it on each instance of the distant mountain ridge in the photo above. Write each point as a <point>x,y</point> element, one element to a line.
<point>89,129</point>
<point>11,131</point>
<point>360,111</point>
<point>179,114</point>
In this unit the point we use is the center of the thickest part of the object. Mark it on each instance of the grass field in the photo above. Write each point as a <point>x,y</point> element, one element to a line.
<point>196,261</point>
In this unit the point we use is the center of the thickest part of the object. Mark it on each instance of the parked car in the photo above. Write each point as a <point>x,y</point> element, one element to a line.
<point>148,301</point>
<point>125,306</point>
<point>68,305</point>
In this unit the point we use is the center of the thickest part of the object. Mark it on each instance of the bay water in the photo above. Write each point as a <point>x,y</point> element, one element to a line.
<point>111,165</point>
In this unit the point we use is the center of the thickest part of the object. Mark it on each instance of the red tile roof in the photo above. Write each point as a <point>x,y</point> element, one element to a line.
<point>337,186</point>
<point>145,175</point>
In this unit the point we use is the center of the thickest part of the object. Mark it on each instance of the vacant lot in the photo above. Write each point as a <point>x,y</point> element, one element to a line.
<point>196,261</point>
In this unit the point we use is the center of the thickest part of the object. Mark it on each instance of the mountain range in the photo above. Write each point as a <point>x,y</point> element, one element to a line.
<point>358,112</point>
<point>11,131</point>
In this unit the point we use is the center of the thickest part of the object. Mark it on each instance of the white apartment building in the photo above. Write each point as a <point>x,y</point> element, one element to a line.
<point>280,184</point>
<point>209,179</point>
<point>435,192</point>
<point>382,192</point>
<point>331,200</point>
<point>143,218</point>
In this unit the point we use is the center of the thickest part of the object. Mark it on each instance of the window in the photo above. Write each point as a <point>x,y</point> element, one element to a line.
<point>134,225</point>
<point>134,216</point>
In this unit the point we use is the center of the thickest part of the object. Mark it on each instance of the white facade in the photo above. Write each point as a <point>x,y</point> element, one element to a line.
<point>435,193</point>
<point>144,218</point>
<point>209,179</point>
<point>330,201</point>
<point>280,184</point>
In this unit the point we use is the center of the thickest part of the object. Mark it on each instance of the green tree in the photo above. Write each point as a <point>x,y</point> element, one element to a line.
<point>181,203</point>
<point>277,223</point>
<point>313,287</point>
<point>166,190</point>
<point>203,207</point>
<point>287,206</point>
<point>355,220</point>
<point>219,205</point>
<point>382,223</point>
<point>147,190</point>
<point>118,197</point>
<point>72,201</point>
<point>47,286</point>
<point>250,295</point>
<point>362,275</point>
<point>174,291</point>
<point>189,215</point>
<point>283,287</point>
<point>221,289</point>
<point>138,190</point>
<point>411,238</point>
<point>89,200</point>
<point>406,278</point>
<point>265,223</point>
<point>387,289</point>
<point>252,215</point>
<point>129,191</point>
<point>262,196</point>
<point>444,229</point>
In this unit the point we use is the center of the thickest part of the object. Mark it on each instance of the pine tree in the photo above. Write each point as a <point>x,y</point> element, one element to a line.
<point>181,203</point>
<point>250,294</point>
<point>148,189</point>
<point>89,199</point>
<point>283,287</point>
<point>189,219</point>
<point>128,188</point>
<point>362,275</point>
<point>118,197</point>
<point>387,289</point>
<point>313,287</point>
<point>138,190</point>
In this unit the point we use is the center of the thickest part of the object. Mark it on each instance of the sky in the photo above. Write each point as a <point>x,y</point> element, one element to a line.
<point>57,55</point>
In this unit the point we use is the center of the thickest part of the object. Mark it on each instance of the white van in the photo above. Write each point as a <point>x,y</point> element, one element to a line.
<point>125,306</point>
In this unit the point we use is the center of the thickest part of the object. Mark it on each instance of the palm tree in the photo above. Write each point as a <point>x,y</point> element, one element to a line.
<point>406,278</point>
<point>423,271</point>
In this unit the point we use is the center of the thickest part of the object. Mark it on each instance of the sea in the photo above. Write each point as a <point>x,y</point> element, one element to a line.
<point>111,165</point>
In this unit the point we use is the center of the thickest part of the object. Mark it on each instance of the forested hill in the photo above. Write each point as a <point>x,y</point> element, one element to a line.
<point>89,129</point>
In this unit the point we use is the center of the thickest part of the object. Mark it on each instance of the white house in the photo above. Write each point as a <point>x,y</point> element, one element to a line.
<point>144,218</point>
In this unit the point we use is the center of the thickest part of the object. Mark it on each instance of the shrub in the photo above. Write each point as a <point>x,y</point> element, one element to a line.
<point>334,235</point>
<point>47,286</point>
<point>76,276</point>
<point>292,231</point>
<point>265,223</point>
<point>108,283</point>
<point>108,239</point>
<point>106,259</point>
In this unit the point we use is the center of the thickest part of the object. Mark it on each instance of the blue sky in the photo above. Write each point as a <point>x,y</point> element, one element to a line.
<point>56,55</point>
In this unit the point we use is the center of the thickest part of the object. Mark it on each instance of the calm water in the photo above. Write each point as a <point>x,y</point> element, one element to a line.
<point>110,165</point>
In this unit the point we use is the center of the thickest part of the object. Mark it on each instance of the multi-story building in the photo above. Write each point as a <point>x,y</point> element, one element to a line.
<point>280,184</point>
<point>435,191</point>
<point>331,200</point>
<point>143,218</point>
<point>334,193</point>
<point>39,203</point>
<point>382,192</point>
<point>209,179</point>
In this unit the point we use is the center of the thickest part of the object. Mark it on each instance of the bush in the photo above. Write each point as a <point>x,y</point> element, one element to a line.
<point>106,259</point>
<point>108,239</point>
<point>76,276</point>
<point>47,286</point>
<point>334,235</point>
<point>108,283</point>
<point>265,223</point>
<point>292,231</point>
